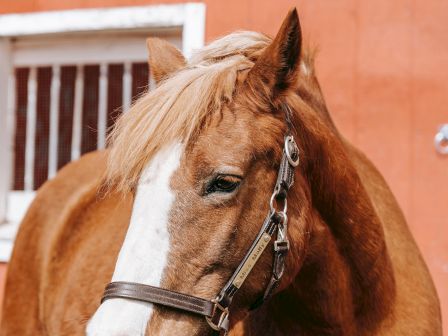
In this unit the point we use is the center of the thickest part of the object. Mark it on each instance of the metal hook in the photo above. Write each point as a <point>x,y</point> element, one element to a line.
<point>441,140</point>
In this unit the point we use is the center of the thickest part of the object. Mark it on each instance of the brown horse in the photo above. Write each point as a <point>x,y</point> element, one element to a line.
<point>183,191</point>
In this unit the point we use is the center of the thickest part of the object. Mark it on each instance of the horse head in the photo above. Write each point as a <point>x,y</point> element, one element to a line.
<point>201,154</point>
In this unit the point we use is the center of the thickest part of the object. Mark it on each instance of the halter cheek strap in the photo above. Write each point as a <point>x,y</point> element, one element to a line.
<point>216,311</point>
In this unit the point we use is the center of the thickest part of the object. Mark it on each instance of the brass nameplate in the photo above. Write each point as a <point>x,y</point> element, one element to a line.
<point>252,260</point>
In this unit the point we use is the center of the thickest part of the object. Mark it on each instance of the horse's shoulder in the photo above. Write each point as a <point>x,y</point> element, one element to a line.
<point>57,200</point>
<point>90,167</point>
<point>71,185</point>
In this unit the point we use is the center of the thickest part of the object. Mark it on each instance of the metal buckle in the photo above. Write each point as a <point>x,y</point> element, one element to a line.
<point>282,242</point>
<point>281,245</point>
<point>289,140</point>
<point>222,318</point>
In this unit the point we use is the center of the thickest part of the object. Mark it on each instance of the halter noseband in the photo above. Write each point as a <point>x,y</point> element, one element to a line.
<point>216,311</point>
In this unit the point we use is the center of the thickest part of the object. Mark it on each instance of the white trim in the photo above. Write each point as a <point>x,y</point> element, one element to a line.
<point>18,202</point>
<point>127,86</point>
<point>10,127</point>
<point>193,32</point>
<point>151,82</point>
<point>54,121</point>
<point>6,113</point>
<point>190,17</point>
<point>81,20</point>
<point>93,49</point>
<point>102,106</point>
<point>6,244</point>
<point>77,113</point>
<point>30,129</point>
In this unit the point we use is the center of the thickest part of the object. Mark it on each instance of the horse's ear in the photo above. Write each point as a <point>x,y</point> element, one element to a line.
<point>164,58</point>
<point>277,67</point>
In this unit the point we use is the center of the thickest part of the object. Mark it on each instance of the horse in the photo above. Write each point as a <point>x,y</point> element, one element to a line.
<point>226,202</point>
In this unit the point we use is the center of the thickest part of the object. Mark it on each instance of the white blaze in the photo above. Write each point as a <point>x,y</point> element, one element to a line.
<point>144,253</point>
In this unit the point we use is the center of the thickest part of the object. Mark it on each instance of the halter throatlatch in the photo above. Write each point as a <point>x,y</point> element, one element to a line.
<point>216,311</point>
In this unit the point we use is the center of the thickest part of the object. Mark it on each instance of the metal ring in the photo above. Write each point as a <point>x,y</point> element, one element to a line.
<point>284,217</point>
<point>224,314</point>
<point>274,209</point>
<point>290,139</point>
<point>441,140</point>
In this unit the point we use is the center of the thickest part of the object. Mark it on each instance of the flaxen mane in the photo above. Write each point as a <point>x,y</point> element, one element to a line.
<point>177,108</point>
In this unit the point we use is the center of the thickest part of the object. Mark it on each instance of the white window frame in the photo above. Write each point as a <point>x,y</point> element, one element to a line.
<point>188,18</point>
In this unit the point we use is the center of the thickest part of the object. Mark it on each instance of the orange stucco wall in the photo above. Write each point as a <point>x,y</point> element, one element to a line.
<point>383,66</point>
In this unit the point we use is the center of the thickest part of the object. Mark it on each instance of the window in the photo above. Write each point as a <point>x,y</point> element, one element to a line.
<point>67,86</point>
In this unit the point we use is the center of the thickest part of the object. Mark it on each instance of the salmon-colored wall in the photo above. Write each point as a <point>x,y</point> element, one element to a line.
<point>383,66</point>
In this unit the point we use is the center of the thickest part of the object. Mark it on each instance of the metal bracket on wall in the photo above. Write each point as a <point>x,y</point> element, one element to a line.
<point>441,140</point>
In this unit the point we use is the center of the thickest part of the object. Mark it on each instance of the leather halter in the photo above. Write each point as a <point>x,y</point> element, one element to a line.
<point>216,311</point>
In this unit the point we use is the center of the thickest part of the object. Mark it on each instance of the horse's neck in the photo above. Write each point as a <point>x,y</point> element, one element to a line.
<point>346,286</point>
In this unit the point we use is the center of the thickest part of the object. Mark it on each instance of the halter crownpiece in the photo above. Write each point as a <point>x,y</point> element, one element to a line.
<point>216,311</point>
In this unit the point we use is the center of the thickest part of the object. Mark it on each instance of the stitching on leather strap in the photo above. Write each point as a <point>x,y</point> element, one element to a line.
<point>157,295</point>
<point>154,291</point>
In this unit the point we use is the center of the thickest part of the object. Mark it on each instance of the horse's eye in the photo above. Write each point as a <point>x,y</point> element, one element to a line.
<point>224,184</point>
